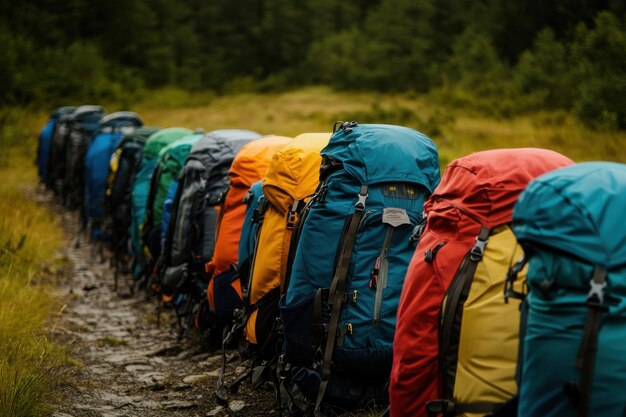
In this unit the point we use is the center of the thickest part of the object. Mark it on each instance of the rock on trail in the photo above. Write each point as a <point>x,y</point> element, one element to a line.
<point>124,364</point>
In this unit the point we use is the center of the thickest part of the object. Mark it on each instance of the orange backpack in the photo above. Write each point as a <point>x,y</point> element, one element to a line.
<point>292,177</point>
<point>249,166</point>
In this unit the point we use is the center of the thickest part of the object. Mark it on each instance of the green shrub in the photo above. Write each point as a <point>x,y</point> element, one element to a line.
<point>543,73</point>
<point>600,72</point>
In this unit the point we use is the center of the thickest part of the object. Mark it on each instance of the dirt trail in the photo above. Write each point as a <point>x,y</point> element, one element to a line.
<point>127,366</point>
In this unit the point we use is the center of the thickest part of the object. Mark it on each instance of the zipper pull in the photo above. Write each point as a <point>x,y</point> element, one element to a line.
<point>429,255</point>
<point>374,275</point>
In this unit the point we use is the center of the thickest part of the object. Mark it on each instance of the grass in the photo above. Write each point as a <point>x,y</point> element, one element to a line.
<point>315,109</point>
<point>29,234</point>
<point>29,239</point>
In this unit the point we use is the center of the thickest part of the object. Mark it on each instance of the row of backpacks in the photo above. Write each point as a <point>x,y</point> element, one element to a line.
<point>348,277</point>
<point>73,151</point>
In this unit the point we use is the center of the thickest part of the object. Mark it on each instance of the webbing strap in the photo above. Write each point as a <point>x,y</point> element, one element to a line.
<point>452,312</point>
<point>257,235</point>
<point>338,290</point>
<point>284,255</point>
<point>220,395</point>
<point>580,394</point>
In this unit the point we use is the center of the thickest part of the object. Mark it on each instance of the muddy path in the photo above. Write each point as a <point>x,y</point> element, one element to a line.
<point>124,364</point>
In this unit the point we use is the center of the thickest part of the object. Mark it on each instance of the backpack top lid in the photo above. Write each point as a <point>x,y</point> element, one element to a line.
<point>65,117</point>
<point>376,153</point>
<point>218,148</point>
<point>251,162</point>
<point>233,134</point>
<point>161,139</point>
<point>293,173</point>
<point>88,112</point>
<point>578,210</point>
<point>121,118</point>
<point>485,185</point>
<point>206,145</point>
<point>139,135</point>
<point>179,149</point>
<point>61,111</point>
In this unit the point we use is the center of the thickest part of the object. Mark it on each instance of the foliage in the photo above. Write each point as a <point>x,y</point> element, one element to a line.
<point>543,72</point>
<point>600,54</point>
<point>27,357</point>
<point>498,57</point>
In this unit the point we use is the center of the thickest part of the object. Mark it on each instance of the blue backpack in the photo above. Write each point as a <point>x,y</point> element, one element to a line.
<point>168,206</point>
<point>112,128</point>
<point>570,223</point>
<point>352,248</point>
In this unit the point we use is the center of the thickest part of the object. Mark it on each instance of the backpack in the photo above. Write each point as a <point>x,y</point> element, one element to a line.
<point>170,162</point>
<point>352,251</point>
<point>292,177</point>
<point>168,206</point>
<point>83,126</point>
<point>452,349</point>
<point>249,230</point>
<point>570,223</point>
<point>56,161</point>
<point>97,160</point>
<point>190,236</point>
<point>141,186</point>
<point>250,165</point>
<point>44,146</point>
<point>123,165</point>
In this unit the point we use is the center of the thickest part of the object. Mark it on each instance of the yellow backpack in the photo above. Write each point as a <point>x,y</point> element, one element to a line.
<point>292,177</point>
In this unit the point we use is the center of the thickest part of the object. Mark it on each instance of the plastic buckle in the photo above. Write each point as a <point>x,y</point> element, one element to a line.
<point>281,365</point>
<point>291,219</point>
<point>348,127</point>
<point>596,293</point>
<point>292,214</point>
<point>361,203</point>
<point>476,254</point>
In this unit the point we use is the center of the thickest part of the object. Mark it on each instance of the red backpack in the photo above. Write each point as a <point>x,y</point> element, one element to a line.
<point>476,195</point>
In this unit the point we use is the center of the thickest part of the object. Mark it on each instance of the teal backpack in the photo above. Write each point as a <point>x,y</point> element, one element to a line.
<point>141,187</point>
<point>349,254</point>
<point>570,223</point>
<point>248,232</point>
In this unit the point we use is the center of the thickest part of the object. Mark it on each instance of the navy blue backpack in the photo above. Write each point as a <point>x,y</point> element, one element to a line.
<point>44,147</point>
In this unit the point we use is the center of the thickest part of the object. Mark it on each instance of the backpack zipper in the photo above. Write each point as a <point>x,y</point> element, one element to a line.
<point>380,280</point>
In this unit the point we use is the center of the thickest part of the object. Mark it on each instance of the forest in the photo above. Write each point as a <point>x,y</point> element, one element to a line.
<point>499,57</point>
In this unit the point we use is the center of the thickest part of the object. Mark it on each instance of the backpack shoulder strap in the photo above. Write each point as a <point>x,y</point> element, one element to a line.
<point>450,328</point>
<point>338,289</point>
<point>580,393</point>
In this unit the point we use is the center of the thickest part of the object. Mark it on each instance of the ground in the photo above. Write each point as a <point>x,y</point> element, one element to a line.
<point>123,363</point>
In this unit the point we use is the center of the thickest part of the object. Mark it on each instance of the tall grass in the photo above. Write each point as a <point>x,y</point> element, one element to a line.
<point>29,238</point>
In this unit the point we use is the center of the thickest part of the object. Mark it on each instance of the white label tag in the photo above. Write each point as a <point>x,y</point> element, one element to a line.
<point>395,216</point>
